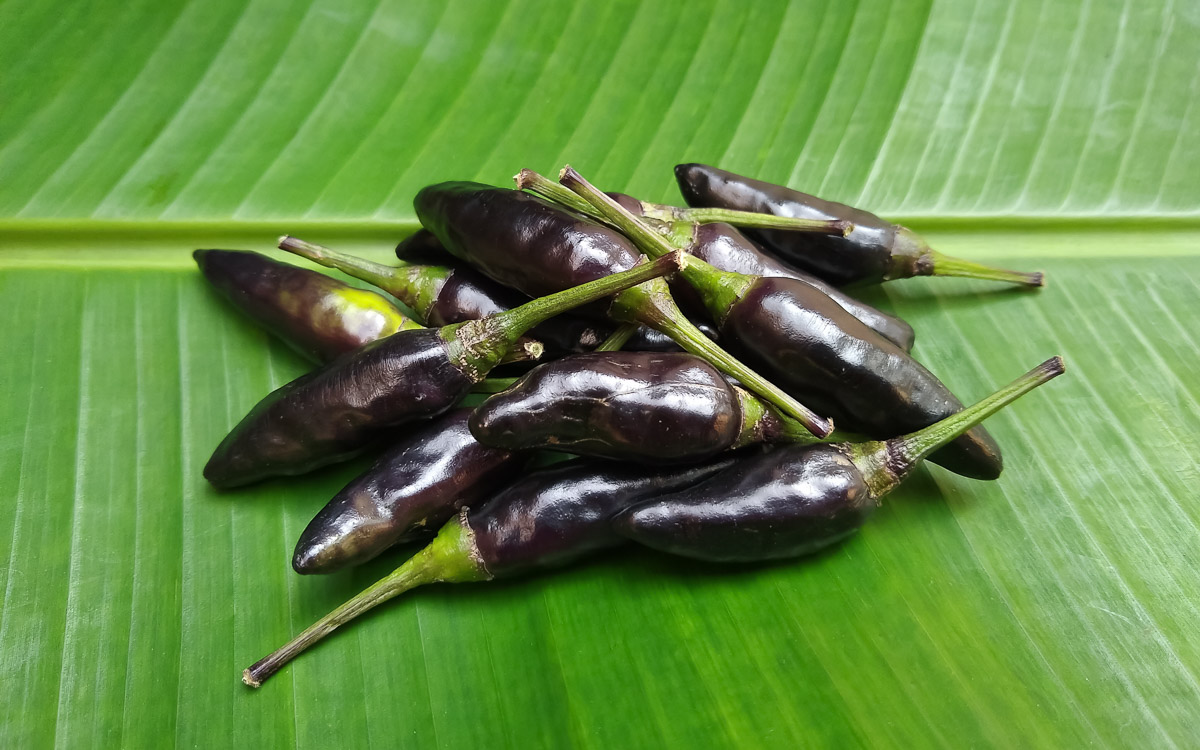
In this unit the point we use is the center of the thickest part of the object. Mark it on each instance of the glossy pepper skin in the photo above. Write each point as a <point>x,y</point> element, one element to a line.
<point>533,245</point>
<point>645,407</point>
<point>520,240</point>
<point>724,247</point>
<point>875,250</point>
<point>411,490</point>
<point>559,514</point>
<point>795,500</point>
<point>336,412</point>
<point>544,520</point>
<point>729,250</point>
<point>318,316</point>
<point>810,345</point>
<point>482,296</point>
<point>865,255</point>
<point>788,502</point>
<point>342,408</point>
<point>447,292</point>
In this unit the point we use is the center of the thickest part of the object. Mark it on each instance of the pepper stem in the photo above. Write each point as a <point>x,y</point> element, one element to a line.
<point>658,311</point>
<point>725,287</point>
<point>476,345</point>
<point>912,256</point>
<point>898,456</point>
<point>747,219</point>
<point>450,558</point>
<point>529,180</point>
<point>946,265</point>
<point>520,319</point>
<point>414,285</point>
<point>617,338</point>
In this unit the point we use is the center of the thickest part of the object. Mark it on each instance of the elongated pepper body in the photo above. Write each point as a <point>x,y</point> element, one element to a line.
<point>565,333</point>
<point>812,346</point>
<point>318,316</point>
<point>532,245</point>
<point>724,247</point>
<point>795,500</point>
<point>447,292</point>
<point>544,520</point>
<point>520,240</point>
<point>342,408</point>
<point>645,407</point>
<point>559,514</point>
<point>874,250</point>
<point>788,502</point>
<point>338,411</point>
<point>412,489</point>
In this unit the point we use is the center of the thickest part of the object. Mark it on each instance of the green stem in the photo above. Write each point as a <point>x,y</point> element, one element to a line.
<point>520,319</point>
<point>529,180</point>
<point>648,241</point>
<point>617,338</point>
<point>656,309</point>
<point>725,287</point>
<point>912,256</point>
<point>525,350</point>
<point>907,450</point>
<point>946,265</point>
<point>476,345</point>
<point>451,558</point>
<point>750,219</point>
<point>415,286</point>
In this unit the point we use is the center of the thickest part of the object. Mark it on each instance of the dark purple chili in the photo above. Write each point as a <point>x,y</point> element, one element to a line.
<point>525,242</point>
<point>796,500</point>
<point>544,520</point>
<point>874,250</point>
<point>811,346</point>
<point>722,246</point>
<point>318,316</point>
<point>647,407</point>
<point>414,488</point>
<point>448,293</point>
<point>340,409</point>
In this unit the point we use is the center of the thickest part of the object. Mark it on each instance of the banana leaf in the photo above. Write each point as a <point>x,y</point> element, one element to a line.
<point>1056,607</point>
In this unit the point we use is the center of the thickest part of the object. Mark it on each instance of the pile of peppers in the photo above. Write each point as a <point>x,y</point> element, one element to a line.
<point>718,392</point>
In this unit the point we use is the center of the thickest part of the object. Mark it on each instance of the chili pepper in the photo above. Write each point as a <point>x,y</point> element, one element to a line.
<point>564,334</point>
<point>724,247</point>
<point>797,499</point>
<point>414,488</point>
<point>318,316</point>
<point>421,247</point>
<point>338,410</point>
<point>637,406</point>
<point>875,249</point>
<point>811,346</point>
<point>546,519</point>
<point>447,293</point>
<point>527,243</point>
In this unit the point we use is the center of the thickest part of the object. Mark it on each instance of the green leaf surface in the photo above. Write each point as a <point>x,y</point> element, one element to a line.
<point>1057,607</point>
